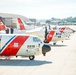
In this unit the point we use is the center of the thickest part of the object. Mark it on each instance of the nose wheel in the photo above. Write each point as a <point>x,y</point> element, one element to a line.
<point>44,54</point>
<point>31,57</point>
<point>54,43</point>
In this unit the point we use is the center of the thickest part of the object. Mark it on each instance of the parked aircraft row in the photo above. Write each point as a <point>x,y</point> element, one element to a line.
<point>18,43</point>
<point>58,34</point>
<point>54,35</point>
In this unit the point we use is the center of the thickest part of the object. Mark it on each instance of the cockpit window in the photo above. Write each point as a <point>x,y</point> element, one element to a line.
<point>35,39</point>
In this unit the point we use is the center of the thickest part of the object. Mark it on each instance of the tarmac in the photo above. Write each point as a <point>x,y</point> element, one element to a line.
<point>61,60</point>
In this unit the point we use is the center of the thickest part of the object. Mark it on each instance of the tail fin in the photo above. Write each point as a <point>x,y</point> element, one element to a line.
<point>2,26</point>
<point>21,25</point>
<point>62,29</point>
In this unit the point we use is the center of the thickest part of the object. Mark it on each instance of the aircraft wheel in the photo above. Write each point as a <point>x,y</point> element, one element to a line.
<point>62,41</point>
<point>31,57</point>
<point>54,43</point>
<point>16,56</point>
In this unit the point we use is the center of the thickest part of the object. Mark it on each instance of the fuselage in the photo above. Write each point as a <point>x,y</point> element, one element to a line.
<point>21,45</point>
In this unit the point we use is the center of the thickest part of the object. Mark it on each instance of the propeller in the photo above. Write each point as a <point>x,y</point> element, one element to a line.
<point>46,48</point>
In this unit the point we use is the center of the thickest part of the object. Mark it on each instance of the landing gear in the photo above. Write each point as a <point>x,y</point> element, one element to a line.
<point>44,54</point>
<point>62,41</point>
<point>16,56</point>
<point>45,41</point>
<point>68,36</point>
<point>31,57</point>
<point>54,43</point>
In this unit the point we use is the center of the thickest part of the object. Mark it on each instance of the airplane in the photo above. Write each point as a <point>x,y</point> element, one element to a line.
<point>22,45</point>
<point>54,36</point>
<point>66,31</point>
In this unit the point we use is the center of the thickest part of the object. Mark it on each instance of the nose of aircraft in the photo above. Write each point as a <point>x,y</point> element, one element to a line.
<point>46,48</point>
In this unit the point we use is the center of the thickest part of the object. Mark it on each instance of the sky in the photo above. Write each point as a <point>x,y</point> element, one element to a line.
<point>40,9</point>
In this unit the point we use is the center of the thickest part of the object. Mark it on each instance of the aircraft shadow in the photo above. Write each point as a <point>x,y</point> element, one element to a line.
<point>24,62</point>
<point>58,45</point>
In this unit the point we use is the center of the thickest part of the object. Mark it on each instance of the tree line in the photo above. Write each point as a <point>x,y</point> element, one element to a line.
<point>68,19</point>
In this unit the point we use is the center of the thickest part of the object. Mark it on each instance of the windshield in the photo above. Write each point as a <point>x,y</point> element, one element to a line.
<point>35,39</point>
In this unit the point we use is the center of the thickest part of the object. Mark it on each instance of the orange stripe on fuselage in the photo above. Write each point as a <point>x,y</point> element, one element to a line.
<point>62,29</point>
<point>50,36</point>
<point>14,46</point>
